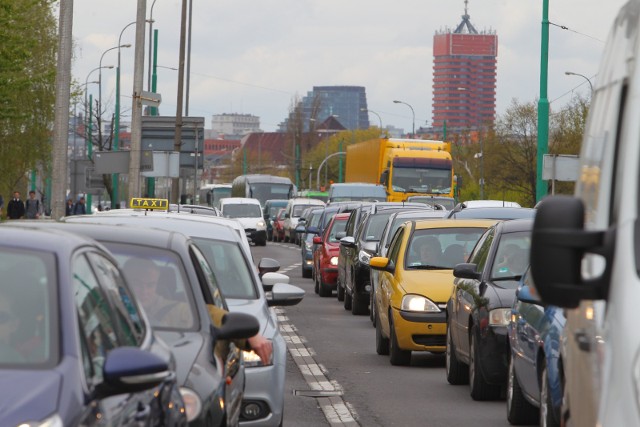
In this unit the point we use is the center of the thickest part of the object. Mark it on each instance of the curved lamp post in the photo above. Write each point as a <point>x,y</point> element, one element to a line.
<point>373,112</point>
<point>100,75</point>
<point>570,73</point>
<point>413,127</point>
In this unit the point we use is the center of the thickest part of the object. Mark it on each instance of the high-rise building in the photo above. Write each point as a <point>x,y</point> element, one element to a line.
<point>347,104</point>
<point>464,77</point>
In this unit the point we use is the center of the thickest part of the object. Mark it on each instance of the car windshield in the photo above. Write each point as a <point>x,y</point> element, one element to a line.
<point>512,258</point>
<point>28,304</point>
<point>157,278</point>
<point>229,267</point>
<point>447,202</point>
<point>494,213</point>
<point>440,248</point>
<point>241,210</point>
<point>338,226</point>
<point>297,209</point>
<point>273,209</point>
<point>376,225</point>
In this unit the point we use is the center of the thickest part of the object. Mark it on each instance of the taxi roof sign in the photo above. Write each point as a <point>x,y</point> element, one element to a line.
<point>146,203</point>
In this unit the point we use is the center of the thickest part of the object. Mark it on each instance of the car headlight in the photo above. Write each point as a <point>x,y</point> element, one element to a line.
<point>51,421</point>
<point>260,224</point>
<point>308,245</point>
<point>333,260</point>
<point>364,257</point>
<point>252,360</point>
<point>192,403</point>
<point>418,303</point>
<point>499,317</point>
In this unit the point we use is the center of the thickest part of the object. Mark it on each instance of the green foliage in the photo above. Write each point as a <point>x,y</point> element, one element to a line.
<point>27,88</point>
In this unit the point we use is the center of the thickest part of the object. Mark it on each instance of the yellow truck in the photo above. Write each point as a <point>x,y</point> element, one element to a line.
<point>406,167</point>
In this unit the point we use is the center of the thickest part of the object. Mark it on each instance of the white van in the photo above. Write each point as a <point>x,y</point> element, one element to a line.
<point>585,251</point>
<point>292,214</point>
<point>249,213</point>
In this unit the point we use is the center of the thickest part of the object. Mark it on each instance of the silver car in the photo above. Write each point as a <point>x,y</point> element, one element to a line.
<point>263,402</point>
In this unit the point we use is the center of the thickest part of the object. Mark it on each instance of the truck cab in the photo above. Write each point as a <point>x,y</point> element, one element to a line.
<point>585,251</point>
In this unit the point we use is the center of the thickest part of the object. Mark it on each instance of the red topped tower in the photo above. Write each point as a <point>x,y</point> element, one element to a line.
<point>464,77</point>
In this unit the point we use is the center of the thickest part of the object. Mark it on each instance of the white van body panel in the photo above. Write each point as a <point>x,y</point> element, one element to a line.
<point>601,342</point>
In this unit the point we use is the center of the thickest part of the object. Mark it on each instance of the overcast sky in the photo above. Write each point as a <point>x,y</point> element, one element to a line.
<point>255,56</point>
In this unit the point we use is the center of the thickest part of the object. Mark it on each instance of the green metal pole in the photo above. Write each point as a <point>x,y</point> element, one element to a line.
<point>340,162</point>
<point>33,180</point>
<point>543,103</point>
<point>116,138</point>
<point>444,131</point>
<point>89,148</point>
<point>151,181</point>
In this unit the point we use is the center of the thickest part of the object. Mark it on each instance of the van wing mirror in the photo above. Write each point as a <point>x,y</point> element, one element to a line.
<point>558,244</point>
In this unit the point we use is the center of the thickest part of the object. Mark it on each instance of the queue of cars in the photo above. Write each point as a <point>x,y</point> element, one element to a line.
<point>201,326</point>
<point>452,283</point>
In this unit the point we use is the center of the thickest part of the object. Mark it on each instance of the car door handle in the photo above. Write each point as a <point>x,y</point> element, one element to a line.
<point>582,339</point>
<point>143,412</point>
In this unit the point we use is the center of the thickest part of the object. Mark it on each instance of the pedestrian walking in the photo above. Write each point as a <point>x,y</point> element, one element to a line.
<point>32,206</point>
<point>15,208</point>
<point>80,208</point>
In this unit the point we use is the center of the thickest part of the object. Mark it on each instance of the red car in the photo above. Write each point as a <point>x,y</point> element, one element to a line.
<point>325,257</point>
<point>278,226</point>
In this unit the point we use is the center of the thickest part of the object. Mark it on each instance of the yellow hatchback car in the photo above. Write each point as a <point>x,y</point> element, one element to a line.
<point>416,281</point>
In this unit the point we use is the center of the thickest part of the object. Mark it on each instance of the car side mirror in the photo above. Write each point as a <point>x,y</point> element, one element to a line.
<point>236,326</point>
<point>300,228</point>
<point>270,279</point>
<point>286,216</point>
<point>283,294</point>
<point>466,270</point>
<point>317,240</point>
<point>268,265</point>
<point>382,263</point>
<point>129,370</point>
<point>526,294</point>
<point>348,242</point>
<point>558,244</point>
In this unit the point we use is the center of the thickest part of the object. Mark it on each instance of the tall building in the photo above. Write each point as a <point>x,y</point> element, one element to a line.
<point>234,126</point>
<point>464,77</point>
<point>347,104</point>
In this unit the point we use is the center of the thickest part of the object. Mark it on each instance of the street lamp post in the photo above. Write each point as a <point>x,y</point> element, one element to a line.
<point>100,76</point>
<point>373,112</point>
<point>570,73</point>
<point>413,127</point>
<point>150,21</point>
<point>116,136</point>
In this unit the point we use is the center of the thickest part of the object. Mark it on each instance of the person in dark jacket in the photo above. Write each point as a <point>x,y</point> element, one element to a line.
<point>15,208</point>
<point>68,211</point>
<point>80,207</point>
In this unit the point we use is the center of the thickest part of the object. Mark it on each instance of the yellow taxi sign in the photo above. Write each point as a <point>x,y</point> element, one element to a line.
<point>146,203</point>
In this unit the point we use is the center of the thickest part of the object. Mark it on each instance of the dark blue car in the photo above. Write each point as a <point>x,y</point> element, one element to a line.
<point>535,383</point>
<point>75,348</point>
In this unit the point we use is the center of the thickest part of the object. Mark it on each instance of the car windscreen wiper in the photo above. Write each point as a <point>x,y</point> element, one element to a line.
<point>428,267</point>
<point>502,279</point>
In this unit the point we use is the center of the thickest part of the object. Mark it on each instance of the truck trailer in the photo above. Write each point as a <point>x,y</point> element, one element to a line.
<point>406,167</point>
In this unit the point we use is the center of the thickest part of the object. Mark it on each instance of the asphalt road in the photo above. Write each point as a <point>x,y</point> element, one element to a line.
<point>367,390</point>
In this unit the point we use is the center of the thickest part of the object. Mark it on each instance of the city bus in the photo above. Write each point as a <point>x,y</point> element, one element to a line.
<point>263,187</point>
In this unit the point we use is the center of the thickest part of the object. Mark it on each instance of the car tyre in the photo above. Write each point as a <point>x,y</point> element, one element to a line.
<point>397,356</point>
<point>340,292</point>
<point>305,272</point>
<point>519,410</point>
<point>325,290</point>
<point>347,300</point>
<point>479,388</point>
<point>457,372</point>
<point>548,415</point>
<point>382,343</point>
<point>359,305</point>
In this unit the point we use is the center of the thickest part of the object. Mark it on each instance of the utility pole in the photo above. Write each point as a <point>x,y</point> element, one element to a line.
<point>61,120</point>
<point>177,142</point>
<point>136,108</point>
<point>543,103</point>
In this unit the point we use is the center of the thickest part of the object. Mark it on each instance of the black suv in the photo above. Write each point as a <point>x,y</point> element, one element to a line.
<point>363,230</point>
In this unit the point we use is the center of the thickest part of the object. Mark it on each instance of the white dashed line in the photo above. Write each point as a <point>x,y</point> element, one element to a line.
<point>335,409</point>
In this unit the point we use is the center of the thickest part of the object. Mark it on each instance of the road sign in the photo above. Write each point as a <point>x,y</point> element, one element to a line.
<point>151,99</point>
<point>560,167</point>
<point>107,162</point>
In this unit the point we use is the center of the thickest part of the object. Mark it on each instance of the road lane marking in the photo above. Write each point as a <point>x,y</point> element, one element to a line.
<point>335,409</point>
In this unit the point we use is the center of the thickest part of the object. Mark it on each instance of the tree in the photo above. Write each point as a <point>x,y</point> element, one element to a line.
<point>27,83</point>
